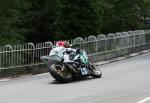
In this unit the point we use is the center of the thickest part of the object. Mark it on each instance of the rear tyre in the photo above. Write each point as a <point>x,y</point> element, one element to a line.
<point>95,71</point>
<point>59,74</point>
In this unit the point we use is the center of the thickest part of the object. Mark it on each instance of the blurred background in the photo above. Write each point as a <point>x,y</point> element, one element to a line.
<point>23,21</point>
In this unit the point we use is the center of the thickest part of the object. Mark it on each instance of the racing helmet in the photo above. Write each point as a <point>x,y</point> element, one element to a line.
<point>60,43</point>
<point>67,44</point>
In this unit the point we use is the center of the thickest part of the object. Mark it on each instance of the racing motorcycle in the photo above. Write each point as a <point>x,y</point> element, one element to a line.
<point>77,66</point>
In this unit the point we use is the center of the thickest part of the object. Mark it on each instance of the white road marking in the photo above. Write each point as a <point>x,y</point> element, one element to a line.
<point>134,54</point>
<point>4,80</point>
<point>144,100</point>
<point>145,51</point>
<point>120,58</point>
<point>43,74</point>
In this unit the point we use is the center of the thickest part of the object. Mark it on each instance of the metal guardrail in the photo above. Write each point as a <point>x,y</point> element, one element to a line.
<point>121,43</point>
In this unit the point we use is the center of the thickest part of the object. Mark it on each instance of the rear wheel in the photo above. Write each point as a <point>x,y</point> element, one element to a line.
<point>95,71</point>
<point>61,75</point>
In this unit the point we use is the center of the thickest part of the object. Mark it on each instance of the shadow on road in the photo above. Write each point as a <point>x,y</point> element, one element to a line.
<point>73,81</point>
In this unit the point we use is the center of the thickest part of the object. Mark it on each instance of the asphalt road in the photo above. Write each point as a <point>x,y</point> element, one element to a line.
<point>125,81</point>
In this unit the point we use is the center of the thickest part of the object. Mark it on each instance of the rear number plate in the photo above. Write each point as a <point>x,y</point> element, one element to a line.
<point>84,71</point>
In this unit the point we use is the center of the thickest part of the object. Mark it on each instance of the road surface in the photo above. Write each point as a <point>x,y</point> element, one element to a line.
<point>125,81</point>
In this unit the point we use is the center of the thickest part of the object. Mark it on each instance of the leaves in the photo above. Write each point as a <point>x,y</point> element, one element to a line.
<point>10,32</point>
<point>50,20</point>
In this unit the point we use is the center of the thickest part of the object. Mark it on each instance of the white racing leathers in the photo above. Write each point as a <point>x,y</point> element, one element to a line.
<point>67,54</point>
<point>63,53</point>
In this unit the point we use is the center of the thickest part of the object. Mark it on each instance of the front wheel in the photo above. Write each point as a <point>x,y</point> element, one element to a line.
<point>61,75</point>
<point>95,71</point>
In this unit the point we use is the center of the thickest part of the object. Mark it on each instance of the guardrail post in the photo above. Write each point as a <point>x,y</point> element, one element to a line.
<point>131,41</point>
<point>101,43</point>
<point>77,43</point>
<point>119,44</point>
<point>111,42</point>
<point>136,40</point>
<point>5,56</point>
<point>147,38</point>
<point>125,42</point>
<point>92,44</point>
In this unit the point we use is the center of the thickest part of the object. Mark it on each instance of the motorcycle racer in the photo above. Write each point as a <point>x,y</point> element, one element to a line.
<point>69,51</point>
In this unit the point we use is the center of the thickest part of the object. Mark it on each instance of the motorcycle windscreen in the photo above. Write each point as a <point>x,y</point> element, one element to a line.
<point>84,57</point>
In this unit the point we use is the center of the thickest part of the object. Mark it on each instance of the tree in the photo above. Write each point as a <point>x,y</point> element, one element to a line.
<point>39,19</point>
<point>79,18</point>
<point>10,31</point>
<point>122,15</point>
<point>50,20</point>
<point>144,11</point>
<point>59,19</point>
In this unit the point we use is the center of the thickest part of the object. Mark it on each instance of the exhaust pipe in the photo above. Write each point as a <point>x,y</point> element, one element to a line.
<point>72,69</point>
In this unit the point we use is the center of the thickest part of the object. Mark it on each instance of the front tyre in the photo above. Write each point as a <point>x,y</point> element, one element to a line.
<point>95,71</point>
<point>61,75</point>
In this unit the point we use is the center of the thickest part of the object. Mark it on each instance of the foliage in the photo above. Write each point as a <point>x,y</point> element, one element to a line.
<point>123,15</point>
<point>39,19</point>
<point>79,18</point>
<point>49,20</point>
<point>10,30</point>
